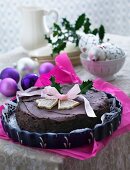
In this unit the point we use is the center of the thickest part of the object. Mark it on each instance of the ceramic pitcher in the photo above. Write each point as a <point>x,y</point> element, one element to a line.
<point>34,27</point>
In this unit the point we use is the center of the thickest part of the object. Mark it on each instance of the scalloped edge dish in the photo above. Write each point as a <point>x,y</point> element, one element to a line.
<point>76,138</point>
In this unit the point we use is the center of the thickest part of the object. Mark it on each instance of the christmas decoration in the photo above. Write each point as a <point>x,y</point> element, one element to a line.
<point>10,72</point>
<point>28,81</point>
<point>26,65</point>
<point>66,31</point>
<point>87,41</point>
<point>45,68</point>
<point>8,87</point>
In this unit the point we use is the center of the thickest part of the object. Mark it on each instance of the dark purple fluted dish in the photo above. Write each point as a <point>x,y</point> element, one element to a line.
<point>76,138</point>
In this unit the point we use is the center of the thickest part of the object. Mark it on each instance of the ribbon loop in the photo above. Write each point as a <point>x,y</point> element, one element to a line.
<point>73,93</point>
<point>52,93</point>
<point>88,108</point>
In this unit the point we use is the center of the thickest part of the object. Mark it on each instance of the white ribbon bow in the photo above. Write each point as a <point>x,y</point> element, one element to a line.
<point>52,93</point>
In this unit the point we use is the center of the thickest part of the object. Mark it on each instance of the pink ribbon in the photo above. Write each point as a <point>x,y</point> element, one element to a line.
<point>52,93</point>
<point>29,92</point>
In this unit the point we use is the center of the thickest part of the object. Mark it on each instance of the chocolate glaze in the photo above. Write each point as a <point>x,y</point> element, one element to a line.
<point>55,120</point>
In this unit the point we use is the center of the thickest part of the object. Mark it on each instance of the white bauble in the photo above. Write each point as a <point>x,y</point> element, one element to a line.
<point>87,41</point>
<point>112,51</point>
<point>26,65</point>
<point>96,54</point>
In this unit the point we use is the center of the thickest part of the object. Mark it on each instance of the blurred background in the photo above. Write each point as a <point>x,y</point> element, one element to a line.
<point>114,15</point>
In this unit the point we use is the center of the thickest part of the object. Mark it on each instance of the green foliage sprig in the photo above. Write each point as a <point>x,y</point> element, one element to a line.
<point>55,84</point>
<point>85,86</point>
<point>66,31</point>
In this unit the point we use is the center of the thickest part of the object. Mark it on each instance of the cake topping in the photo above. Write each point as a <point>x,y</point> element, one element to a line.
<point>51,92</point>
<point>46,103</point>
<point>52,95</point>
<point>65,100</point>
<point>67,104</point>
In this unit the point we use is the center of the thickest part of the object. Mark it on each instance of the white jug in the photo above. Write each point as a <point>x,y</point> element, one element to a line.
<point>34,27</point>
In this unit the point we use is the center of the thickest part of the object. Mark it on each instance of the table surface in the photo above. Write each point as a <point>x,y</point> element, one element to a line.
<point>18,157</point>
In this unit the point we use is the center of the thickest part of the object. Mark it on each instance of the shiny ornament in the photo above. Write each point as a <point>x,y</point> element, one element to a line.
<point>45,68</point>
<point>10,72</point>
<point>28,81</point>
<point>96,54</point>
<point>105,51</point>
<point>112,51</point>
<point>87,41</point>
<point>8,87</point>
<point>26,65</point>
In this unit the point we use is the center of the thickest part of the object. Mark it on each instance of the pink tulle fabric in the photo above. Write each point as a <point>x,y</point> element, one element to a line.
<point>63,72</point>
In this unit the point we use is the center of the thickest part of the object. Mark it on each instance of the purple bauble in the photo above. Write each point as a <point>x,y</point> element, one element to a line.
<point>45,68</point>
<point>10,72</point>
<point>28,81</point>
<point>8,87</point>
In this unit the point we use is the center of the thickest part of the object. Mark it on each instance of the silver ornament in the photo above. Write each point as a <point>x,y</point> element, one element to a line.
<point>112,51</point>
<point>96,54</point>
<point>87,41</point>
<point>26,65</point>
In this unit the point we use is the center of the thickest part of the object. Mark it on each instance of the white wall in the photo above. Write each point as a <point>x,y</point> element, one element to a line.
<point>113,14</point>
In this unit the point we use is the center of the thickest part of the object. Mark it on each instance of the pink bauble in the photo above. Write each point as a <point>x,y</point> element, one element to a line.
<point>10,72</point>
<point>45,68</point>
<point>8,87</point>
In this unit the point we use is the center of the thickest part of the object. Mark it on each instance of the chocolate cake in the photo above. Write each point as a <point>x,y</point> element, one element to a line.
<point>55,120</point>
